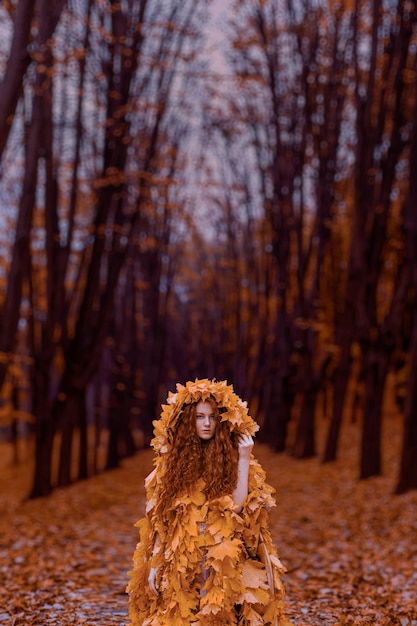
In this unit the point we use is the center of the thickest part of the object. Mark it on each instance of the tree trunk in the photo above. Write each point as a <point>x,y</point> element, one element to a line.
<point>44,435</point>
<point>341,378</point>
<point>408,469</point>
<point>41,484</point>
<point>21,250</point>
<point>83,460</point>
<point>407,478</point>
<point>20,255</point>
<point>304,445</point>
<point>69,409</point>
<point>113,448</point>
<point>18,61</point>
<point>376,366</point>
<point>283,416</point>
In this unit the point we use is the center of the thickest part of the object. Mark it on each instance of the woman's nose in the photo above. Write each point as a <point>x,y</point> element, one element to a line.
<point>207,421</point>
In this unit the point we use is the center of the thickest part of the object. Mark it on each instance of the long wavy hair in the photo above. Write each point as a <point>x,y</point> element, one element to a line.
<point>215,460</point>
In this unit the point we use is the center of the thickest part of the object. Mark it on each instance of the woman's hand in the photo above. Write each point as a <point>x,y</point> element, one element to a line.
<point>245,446</point>
<point>152,580</point>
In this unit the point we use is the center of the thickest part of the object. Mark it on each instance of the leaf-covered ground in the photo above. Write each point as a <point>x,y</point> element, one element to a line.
<point>350,548</point>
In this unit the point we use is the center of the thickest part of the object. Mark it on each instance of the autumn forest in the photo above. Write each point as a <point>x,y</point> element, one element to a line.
<point>227,190</point>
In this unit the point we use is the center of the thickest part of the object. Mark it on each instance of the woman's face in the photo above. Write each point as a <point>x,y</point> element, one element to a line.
<point>205,420</point>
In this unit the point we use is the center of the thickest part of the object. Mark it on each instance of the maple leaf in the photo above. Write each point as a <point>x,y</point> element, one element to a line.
<point>251,616</point>
<point>211,609</point>
<point>227,549</point>
<point>178,535</point>
<point>274,609</point>
<point>256,596</point>
<point>221,526</point>
<point>215,595</point>
<point>254,575</point>
<point>185,601</point>
<point>277,563</point>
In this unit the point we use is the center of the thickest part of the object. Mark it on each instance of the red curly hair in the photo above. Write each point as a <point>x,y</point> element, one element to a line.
<point>215,460</point>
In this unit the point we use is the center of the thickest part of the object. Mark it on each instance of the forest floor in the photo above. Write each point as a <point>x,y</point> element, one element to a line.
<point>350,547</point>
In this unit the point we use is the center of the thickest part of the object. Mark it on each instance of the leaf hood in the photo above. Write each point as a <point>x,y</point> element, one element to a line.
<point>233,410</point>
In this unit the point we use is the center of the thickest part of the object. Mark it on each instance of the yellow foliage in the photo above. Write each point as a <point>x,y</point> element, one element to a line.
<point>253,575</point>
<point>207,557</point>
<point>226,549</point>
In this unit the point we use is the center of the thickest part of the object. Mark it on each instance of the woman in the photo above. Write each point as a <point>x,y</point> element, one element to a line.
<point>205,554</point>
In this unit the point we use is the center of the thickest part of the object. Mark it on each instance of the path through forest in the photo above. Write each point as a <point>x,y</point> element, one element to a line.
<point>350,548</point>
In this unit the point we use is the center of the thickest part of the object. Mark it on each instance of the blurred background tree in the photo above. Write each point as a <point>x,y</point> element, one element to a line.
<point>172,211</point>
